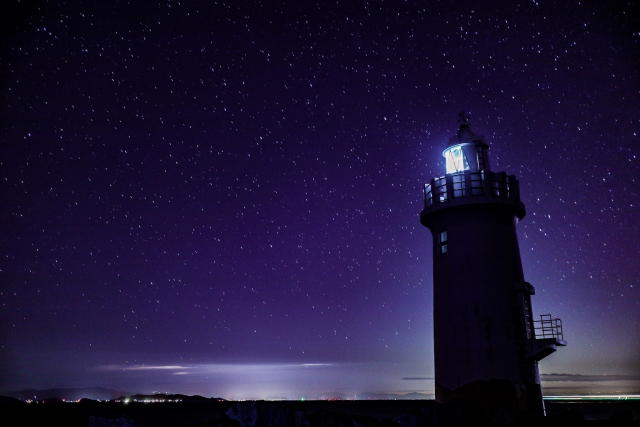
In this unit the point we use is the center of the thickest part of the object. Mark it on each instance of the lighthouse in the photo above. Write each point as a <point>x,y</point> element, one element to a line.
<point>487,343</point>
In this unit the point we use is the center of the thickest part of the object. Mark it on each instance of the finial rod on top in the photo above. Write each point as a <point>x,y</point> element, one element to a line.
<point>463,118</point>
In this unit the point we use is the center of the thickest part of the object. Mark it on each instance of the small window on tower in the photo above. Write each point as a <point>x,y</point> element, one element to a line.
<point>443,242</point>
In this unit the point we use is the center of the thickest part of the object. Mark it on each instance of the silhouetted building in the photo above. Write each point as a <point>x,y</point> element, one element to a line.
<point>487,344</point>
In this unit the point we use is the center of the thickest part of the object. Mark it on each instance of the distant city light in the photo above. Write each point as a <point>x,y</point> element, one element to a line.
<point>593,398</point>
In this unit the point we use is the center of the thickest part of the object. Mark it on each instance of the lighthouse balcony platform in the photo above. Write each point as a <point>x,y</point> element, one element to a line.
<point>548,337</point>
<point>467,187</point>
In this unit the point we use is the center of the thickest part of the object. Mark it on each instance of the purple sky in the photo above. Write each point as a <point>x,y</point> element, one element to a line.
<point>223,199</point>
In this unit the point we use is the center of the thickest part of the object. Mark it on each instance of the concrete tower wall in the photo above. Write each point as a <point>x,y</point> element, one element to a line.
<point>476,327</point>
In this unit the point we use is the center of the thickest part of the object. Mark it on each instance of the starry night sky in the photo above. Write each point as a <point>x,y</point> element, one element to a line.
<point>222,198</point>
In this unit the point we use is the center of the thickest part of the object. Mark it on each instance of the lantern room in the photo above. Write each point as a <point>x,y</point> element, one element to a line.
<point>466,150</point>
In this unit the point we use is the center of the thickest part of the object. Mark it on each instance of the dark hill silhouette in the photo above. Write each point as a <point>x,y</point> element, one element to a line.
<point>8,399</point>
<point>94,393</point>
<point>172,397</point>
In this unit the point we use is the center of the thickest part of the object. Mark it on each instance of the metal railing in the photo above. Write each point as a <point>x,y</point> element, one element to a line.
<point>469,184</point>
<point>548,327</point>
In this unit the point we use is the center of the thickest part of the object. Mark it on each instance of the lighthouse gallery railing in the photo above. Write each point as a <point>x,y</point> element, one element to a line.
<point>470,184</point>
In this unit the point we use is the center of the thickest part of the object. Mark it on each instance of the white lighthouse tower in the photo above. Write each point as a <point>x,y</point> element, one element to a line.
<point>487,344</point>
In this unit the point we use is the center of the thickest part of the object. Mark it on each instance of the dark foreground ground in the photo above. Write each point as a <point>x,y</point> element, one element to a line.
<point>381,413</point>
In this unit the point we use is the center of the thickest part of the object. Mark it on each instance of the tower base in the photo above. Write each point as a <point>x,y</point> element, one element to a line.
<point>496,397</point>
